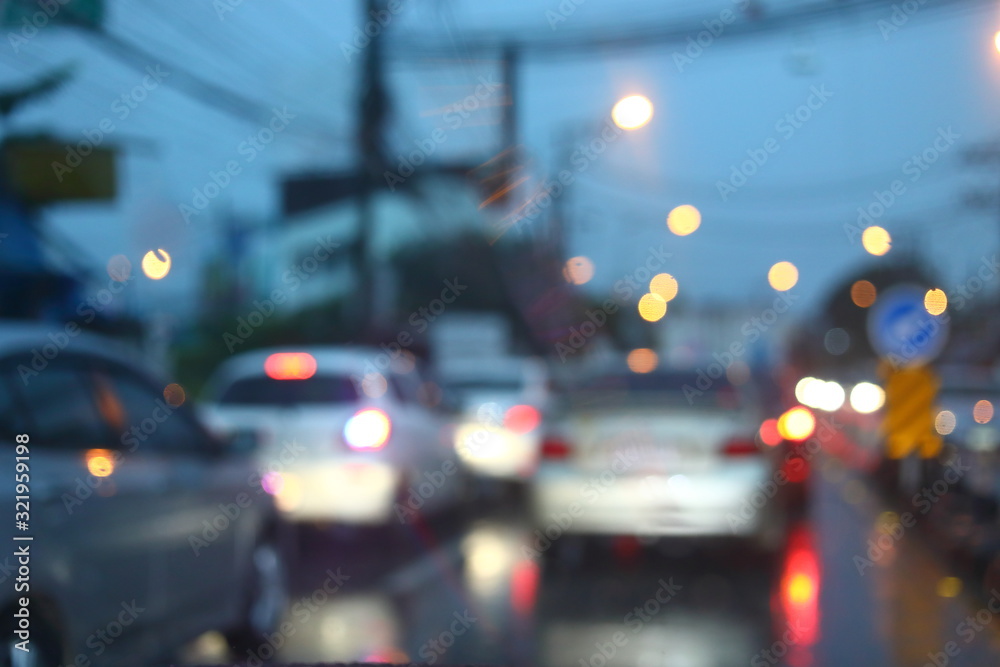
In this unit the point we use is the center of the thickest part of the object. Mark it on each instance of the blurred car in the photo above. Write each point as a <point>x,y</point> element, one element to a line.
<point>663,454</point>
<point>502,403</point>
<point>340,440</point>
<point>143,530</point>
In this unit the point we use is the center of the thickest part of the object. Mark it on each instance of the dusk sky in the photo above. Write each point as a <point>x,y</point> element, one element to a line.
<point>878,98</point>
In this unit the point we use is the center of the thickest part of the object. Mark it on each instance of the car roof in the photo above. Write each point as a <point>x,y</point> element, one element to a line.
<point>17,337</point>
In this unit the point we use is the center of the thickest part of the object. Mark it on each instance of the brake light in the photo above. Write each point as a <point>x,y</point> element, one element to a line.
<point>769,433</point>
<point>797,424</point>
<point>521,419</point>
<point>290,366</point>
<point>367,430</point>
<point>554,449</point>
<point>740,447</point>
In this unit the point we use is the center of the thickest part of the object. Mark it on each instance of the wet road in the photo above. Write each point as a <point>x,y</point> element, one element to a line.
<point>846,591</point>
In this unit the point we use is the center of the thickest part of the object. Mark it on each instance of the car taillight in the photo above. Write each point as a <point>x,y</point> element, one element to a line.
<point>555,449</point>
<point>740,447</point>
<point>521,419</point>
<point>367,430</point>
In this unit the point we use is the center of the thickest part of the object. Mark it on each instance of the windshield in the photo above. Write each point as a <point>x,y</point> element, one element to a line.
<point>317,390</point>
<point>533,333</point>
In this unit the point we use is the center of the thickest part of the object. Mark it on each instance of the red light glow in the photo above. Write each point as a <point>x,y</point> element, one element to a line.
<point>290,366</point>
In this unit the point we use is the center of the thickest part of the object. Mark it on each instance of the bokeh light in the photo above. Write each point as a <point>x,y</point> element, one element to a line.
<point>578,270</point>
<point>642,360</point>
<point>665,285</point>
<point>100,462</point>
<point>876,240</point>
<point>837,341</point>
<point>684,220</point>
<point>783,276</point>
<point>119,268</point>
<point>867,397</point>
<point>156,264</point>
<point>796,424</point>
<point>374,385</point>
<point>769,434</point>
<point>935,301</point>
<point>982,412</point>
<point>174,394</point>
<point>949,587</point>
<point>632,112</point>
<point>863,293</point>
<point>944,422</point>
<point>996,41</point>
<point>652,307</point>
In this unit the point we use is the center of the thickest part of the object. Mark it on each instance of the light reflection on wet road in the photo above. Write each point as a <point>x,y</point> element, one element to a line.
<point>470,591</point>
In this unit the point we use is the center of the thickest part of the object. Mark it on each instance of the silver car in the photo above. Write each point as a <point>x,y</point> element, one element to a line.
<point>131,529</point>
<point>664,454</point>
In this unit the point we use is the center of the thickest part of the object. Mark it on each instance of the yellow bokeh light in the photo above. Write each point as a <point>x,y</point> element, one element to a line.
<point>944,422</point>
<point>796,424</point>
<point>156,264</point>
<point>982,412</point>
<point>935,301</point>
<point>996,41</point>
<point>642,360</point>
<point>876,240</point>
<point>783,276</point>
<point>100,462</point>
<point>632,112</point>
<point>949,587</point>
<point>652,307</point>
<point>863,293</point>
<point>684,220</point>
<point>664,285</point>
<point>119,268</point>
<point>578,270</point>
<point>174,394</point>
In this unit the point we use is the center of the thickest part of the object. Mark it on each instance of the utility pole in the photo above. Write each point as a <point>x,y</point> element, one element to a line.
<point>373,106</point>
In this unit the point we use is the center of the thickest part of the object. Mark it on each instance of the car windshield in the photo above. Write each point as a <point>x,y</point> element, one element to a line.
<point>264,391</point>
<point>541,333</point>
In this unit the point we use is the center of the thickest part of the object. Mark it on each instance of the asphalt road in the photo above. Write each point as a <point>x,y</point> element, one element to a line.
<point>846,591</point>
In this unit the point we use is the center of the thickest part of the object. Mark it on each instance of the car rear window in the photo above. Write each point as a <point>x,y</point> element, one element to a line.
<point>317,390</point>
<point>688,388</point>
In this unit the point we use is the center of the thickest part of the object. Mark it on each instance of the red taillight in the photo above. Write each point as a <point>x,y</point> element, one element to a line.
<point>290,366</point>
<point>769,433</point>
<point>740,447</point>
<point>555,449</point>
<point>367,430</point>
<point>521,419</point>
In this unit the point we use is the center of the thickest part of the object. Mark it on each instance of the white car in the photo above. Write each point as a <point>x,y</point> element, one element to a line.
<point>658,455</point>
<point>502,403</point>
<point>341,440</point>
